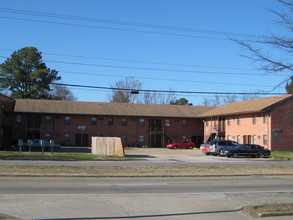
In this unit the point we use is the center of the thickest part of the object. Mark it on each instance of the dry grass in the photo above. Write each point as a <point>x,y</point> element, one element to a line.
<point>143,171</point>
<point>273,210</point>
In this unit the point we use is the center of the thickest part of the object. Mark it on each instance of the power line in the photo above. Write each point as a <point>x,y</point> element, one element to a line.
<point>113,29</point>
<point>155,69</point>
<point>153,90</point>
<point>140,61</point>
<point>127,23</point>
<point>168,91</point>
<point>162,79</point>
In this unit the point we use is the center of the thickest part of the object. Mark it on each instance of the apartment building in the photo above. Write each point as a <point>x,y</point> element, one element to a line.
<point>266,121</point>
<point>74,123</point>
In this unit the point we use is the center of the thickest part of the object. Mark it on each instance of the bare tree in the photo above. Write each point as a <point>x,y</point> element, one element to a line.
<point>207,102</point>
<point>230,98</point>
<point>123,90</point>
<point>159,97</point>
<point>60,92</point>
<point>289,86</point>
<point>283,44</point>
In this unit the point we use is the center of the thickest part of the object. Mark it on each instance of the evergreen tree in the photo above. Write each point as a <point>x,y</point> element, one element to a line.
<point>26,76</point>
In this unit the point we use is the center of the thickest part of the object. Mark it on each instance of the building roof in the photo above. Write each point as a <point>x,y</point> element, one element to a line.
<point>5,98</point>
<point>103,108</point>
<point>249,106</point>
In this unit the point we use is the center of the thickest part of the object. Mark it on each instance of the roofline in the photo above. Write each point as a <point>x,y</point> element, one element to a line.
<point>234,113</point>
<point>11,99</point>
<point>110,115</point>
<point>266,109</point>
<point>269,108</point>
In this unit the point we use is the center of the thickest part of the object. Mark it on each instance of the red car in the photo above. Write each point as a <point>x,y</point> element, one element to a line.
<point>182,144</point>
<point>205,150</point>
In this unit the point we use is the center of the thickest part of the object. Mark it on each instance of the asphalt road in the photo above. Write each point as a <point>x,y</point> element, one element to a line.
<point>140,198</point>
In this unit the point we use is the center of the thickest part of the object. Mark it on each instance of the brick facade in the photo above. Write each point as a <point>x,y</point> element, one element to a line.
<point>77,130</point>
<point>271,127</point>
<point>267,122</point>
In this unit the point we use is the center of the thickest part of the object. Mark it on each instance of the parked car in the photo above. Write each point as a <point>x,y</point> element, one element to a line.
<point>182,144</point>
<point>205,150</point>
<point>218,147</point>
<point>248,150</point>
<point>37,144</point>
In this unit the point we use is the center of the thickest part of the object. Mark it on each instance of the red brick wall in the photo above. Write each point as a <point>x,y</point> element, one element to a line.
<point>282,127</point>
<point>81,124</point>
<point>245,128</point>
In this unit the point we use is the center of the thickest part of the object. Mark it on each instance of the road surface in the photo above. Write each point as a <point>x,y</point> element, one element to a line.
<point>140,198</point>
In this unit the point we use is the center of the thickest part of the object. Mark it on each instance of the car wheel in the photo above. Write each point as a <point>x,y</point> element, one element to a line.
<point>190,147</point>
<point>261,155</point>
<point>222,152</point>
<point>175,147</point>
<point>207,153</point>
<point>235,155</point>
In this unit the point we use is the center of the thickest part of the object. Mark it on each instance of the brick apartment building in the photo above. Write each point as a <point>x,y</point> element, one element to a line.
<point>266,121</point>
<point>6,118</point>
<point>74,123</point>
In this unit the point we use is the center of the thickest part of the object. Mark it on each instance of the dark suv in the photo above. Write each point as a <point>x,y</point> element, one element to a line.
<point>218,147</point>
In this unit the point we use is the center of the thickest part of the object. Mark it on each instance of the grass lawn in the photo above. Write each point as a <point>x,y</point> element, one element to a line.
<point>15,155</point>
<point>282,155</point>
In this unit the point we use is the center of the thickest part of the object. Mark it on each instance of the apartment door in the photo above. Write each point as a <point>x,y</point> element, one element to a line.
<point>156,140</point>
<point>82,140</point>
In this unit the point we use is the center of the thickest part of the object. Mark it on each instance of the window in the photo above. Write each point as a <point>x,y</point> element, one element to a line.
<point>265,139</point>
<point>67,120</point>
<point>238,120</point>
<point>124,121</point>
<point>265,119</point>
<point>48,136</point>
<point>254,139</point>
<point>48,119</point>
<point>229,121</point>
<point>254,120</point>
<point>18,118</point>
<point>141,122</point>
<point>167,123</point>
<point>184,123</point>
<point>124,138</point>
<point>238,139</point>
<point>110,121</point>
<point>229,137</point>
<point>66,137</point>
<point>94,120</point>
<point>141,138</point>
<point>33,121</point>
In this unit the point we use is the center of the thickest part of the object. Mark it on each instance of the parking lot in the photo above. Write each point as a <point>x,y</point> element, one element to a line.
<point>189,157</point>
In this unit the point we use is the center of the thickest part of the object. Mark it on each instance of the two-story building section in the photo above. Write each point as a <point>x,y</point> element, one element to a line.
<point>74,123</point>
<point>265,121</point>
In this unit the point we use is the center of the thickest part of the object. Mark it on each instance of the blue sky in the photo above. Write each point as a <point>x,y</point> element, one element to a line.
<point>98,53</point>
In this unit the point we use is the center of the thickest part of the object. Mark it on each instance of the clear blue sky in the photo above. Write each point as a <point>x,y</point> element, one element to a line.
<point>113,51</point>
